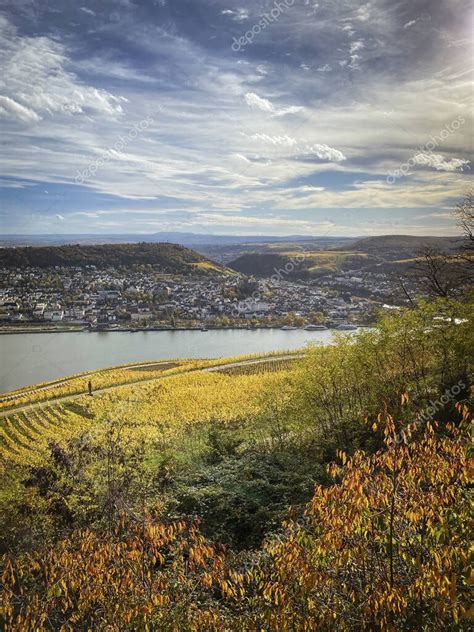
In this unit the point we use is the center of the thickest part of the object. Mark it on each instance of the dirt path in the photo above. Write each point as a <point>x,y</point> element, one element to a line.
<point>66,398</point>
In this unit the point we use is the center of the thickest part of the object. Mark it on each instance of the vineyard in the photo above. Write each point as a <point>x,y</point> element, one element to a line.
<point>252,368</point>
<point>24,436</point>
<point>75,385</point>
<point>163,398</point>
<point>114,376</point>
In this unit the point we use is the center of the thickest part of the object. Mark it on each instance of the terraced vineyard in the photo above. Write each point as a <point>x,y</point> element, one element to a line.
<point>162,400</point>
<point>77,384</point>
<point>25,435</point>
<point>251,368</point>
<point>115,376</point>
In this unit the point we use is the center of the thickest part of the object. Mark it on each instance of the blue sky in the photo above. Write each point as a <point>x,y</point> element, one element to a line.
<point>333,117</point>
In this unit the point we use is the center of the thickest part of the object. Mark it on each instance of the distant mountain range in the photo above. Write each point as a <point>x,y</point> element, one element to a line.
<point>184,239</point>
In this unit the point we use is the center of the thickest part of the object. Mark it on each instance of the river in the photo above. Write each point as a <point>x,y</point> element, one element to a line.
<point>32,358</point>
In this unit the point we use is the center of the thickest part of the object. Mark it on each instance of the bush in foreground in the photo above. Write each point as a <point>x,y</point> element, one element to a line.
<point>384,547</point>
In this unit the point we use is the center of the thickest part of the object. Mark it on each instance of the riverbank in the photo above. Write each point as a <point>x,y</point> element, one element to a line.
<point>83,329</point>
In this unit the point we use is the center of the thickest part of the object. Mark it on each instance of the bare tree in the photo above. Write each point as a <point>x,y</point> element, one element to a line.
<point>437,272</point>
<point>464,213</point>
<point>443,273</point>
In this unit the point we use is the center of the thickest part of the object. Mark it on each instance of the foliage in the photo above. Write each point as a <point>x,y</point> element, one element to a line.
<point>145,574</point>
<point>385,548</point>
<point>241,489</point>
<point>422,352</point>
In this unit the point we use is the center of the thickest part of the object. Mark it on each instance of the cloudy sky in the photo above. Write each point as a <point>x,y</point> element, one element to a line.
<point>335,117</point>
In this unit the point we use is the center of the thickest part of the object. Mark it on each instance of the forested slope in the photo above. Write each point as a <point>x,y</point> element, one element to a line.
<point>168,258</point>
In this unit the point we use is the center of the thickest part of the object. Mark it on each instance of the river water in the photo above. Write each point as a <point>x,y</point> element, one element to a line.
<point>32,358</point>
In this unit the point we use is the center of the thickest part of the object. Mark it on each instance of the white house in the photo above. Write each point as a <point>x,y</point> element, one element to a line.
<point>54,315</point>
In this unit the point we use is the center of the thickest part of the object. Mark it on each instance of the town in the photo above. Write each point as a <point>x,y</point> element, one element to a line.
<point>65,298</point>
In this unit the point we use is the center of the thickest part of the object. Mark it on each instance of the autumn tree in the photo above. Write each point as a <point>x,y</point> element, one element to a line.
<point>384,548</point>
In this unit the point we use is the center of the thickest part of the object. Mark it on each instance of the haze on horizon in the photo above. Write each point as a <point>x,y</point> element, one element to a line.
<point>334,117</point>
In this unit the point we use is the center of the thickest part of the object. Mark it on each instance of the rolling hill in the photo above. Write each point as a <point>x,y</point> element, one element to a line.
<point>167,258</point>
<point>301,265</point>
<point>395,247</point>
<point>381,253</point>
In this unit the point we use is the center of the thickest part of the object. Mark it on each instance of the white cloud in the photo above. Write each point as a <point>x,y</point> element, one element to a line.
<point>88,11</point>
<point>13,184</point>
<point>220,218</point>
<point>239,15</point>
<point>448,216</point>
<point>282,140</point>
<point>36,84</point>
<point>363,13</point>
<point>324,152</point>
<point>291,109</point>
<point>253,100</point>
<point>242,157</point>
<point>436,161</point>
<point>354,57</point>
<point>355,46</point>
<point>10,108</point>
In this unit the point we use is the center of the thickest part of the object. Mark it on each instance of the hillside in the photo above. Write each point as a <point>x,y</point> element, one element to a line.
<point>258,264</point>
<point>299,264</point>
<point>265,493</point>
<point>394,247</point>
<point>229,252</point>
<point>387,253</point>
<point>167,258</point>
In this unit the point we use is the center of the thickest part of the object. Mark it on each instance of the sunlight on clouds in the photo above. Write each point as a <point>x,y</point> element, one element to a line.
<point>35,82</point>
<point>316,114</point>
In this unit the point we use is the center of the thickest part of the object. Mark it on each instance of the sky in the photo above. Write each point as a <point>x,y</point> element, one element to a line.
<point>262,117</point>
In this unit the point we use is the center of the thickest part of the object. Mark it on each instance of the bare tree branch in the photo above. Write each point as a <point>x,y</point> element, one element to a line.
<point>464,213</point>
